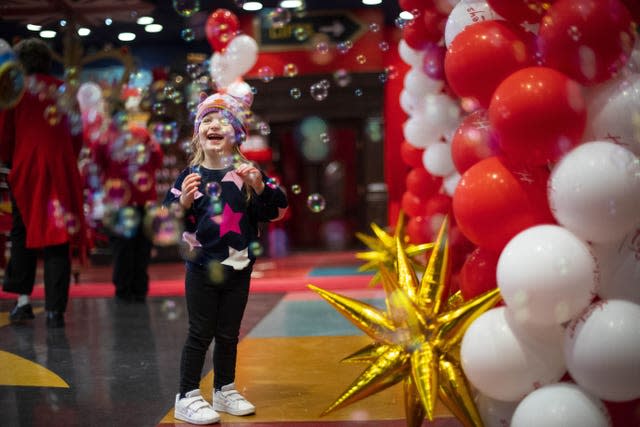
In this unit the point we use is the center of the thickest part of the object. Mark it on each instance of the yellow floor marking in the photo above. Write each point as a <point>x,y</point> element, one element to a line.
<point>18,371</point>
<point>296,378</point>
<point>4,316</point>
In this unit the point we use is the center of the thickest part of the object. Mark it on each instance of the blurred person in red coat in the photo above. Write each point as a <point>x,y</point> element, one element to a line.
<point>38,143</point>
<point>127,157</point>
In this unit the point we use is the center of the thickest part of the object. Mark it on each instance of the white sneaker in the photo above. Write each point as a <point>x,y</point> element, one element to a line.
<point>230,401</point>
<point>194,409</point>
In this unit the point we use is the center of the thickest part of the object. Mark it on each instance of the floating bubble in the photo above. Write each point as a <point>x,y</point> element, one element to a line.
<point>374,27</point>
<point>279,17</point>
<point>264,129</point>
<point>391,71</point>
<point>316,202</point>
<point>358,92</point>
<point>342,77</point>
<point>344,47</point>
<point>256,248</point>
<point>300,33</point>
<point>216,272</point>
<point>163,226</point>
<point>266,74</point>
<point>158,109</point>
<point>272,183</point>
<point>362,59</point>
<point>295,93</point>
<point>52,115</point>
<point>214,189</point>
<point>186,8</point>
<point>290,70</point>
<point>383,46</point>
<point>296,189</point>
<point>322,47</point>
<point>318,92</point>
<point>187,34</point>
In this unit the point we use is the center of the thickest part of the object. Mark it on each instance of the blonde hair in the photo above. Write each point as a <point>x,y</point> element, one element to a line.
<point>197,158</point>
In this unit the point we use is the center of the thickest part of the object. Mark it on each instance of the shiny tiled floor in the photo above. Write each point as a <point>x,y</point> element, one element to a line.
<point>117,364</point>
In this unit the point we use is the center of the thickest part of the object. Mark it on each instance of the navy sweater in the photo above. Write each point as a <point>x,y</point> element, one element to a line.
<point>221,224</point>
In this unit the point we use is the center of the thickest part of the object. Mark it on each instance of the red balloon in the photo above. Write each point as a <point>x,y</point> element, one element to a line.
<point>478,273</point>
<point>483,54</point>
<point>521,11</point>
<point>411,5</point>
<point>418,230</point>
<point>422,183</point>
<point>538,114</point>
<point>411,155</point>
<point>221,26</point>
<point>419,33</point>
<point>412,204</point>
<point>588,40</point>
<point>634,8</point>
<point>492,204</point>
<point>624,414</point>
<point>441,205</point>
<point>473,141</point>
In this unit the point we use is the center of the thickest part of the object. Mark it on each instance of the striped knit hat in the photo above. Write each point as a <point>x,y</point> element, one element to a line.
<point>233,109</point>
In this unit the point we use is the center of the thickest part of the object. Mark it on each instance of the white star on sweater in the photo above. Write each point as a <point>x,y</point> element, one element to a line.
<point>237,259</point>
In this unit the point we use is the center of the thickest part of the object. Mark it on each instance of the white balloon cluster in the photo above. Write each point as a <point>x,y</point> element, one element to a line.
<point>433,117</point>
<point>237,58</point>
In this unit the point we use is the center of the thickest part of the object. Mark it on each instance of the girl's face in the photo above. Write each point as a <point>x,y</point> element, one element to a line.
<point>216,135</point>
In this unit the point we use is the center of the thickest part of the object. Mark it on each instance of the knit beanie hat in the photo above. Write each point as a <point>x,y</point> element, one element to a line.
<point>231,108</point>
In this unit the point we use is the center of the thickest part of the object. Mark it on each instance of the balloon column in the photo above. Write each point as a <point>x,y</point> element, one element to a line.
<point>533,133</point>
<point>234,53</point>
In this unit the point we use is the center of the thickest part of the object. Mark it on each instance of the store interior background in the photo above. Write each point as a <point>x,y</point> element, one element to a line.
<point>338,144</point>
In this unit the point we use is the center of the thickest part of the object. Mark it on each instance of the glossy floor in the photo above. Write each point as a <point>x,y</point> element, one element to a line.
<point>117,364</point>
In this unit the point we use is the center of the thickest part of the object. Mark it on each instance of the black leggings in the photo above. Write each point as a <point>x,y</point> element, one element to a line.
<point>215,312</point>
<point>20,276</point>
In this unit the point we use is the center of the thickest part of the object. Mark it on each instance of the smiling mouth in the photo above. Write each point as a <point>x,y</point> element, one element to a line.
<point>215,137</point>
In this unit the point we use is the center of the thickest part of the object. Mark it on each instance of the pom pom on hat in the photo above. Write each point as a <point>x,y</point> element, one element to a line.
<point>236,111</point>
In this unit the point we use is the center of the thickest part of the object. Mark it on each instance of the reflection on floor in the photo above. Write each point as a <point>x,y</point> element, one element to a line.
<point>117,364</point>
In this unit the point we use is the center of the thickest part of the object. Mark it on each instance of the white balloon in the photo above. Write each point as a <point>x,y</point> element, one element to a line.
<point>450,183</point>
<point>614,112</point>
<point>633,64</point>
<point>465,13</point>
<point>417,132</point>
<point>594,191</point>
<point>419,84</point>
<point>506,360</point>
<point>619,265</point>
<point>560,405</point>
<point>442,114</point>
<point>495,413</point>
<point>411,104</point>
<point>437,159</point>
<point>242,52</point>
<point>221,71</point>
<point>89,96</point>
<point>241,90</point>
<point>546,275</point>
<point>409,55</point>
<point>602,350</point>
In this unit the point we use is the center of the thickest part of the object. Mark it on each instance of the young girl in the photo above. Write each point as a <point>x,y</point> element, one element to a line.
<point>224,198</point>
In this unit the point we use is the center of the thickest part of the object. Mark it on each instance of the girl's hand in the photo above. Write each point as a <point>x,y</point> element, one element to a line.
<point>251,176</point>
<point>189,187</point>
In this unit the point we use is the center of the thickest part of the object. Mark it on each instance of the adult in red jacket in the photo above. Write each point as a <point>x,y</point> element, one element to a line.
<point>128,159</point>
<point>38,145</point>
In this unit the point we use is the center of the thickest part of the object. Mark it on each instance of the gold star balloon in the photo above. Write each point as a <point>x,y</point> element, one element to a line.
<point>417,338</point>
<point>384,249</point>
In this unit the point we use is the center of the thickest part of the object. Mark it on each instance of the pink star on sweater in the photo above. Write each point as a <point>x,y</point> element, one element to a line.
<point>230,221</point>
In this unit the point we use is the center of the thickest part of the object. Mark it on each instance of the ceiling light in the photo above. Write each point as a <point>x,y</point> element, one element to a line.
<point>63,23</point>
<point>153,28</point>
<point>290,4</point>
<point>371,2</point>
<point>33,27</point>
<point>82,31</point>
<point>47,34</point>
<point>108,21</point>
<point>252,6</point>
<point>126,37</point>
<point>145,20</point>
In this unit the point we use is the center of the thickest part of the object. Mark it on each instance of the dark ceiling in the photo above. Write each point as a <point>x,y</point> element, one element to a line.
<point>49,13</point>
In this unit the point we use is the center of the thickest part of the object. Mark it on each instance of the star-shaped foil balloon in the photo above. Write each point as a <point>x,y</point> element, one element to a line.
<point>384,249</point>
<point>417,338</point>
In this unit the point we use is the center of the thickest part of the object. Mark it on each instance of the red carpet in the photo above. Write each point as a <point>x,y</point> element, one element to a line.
<point>176,287</point>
